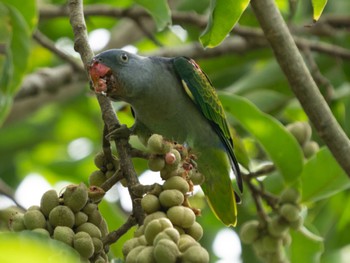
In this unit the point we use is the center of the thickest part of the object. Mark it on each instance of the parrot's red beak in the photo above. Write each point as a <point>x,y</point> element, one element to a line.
<point>98,74</point>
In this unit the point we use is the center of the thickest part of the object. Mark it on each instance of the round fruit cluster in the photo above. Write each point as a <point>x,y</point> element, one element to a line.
<point>170,232</point>
<point>269,238</point>
<point>302,132</point>
<point>72,218</point>
<point>106,169</point>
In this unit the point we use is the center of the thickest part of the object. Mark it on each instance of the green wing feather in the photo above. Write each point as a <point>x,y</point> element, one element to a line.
<point>200,89</point>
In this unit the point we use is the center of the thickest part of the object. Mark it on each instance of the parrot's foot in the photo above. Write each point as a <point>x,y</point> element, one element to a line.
<point>121,132</point>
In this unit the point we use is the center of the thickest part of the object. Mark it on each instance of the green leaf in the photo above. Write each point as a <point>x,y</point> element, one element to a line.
<point>224,15</point>
<point>322,177</point>
<point>280,145</point>
<point>305,248</point>
<point>30,248</point>
<point>318,6</point>
<point>159,10</point>
<point>28,10</point>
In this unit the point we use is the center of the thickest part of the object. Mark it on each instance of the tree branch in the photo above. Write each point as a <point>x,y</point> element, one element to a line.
<point>81,45</point>
<point>301,82</point>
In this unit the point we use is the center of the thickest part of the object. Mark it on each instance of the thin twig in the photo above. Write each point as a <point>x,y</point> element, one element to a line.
<point>113,236</point>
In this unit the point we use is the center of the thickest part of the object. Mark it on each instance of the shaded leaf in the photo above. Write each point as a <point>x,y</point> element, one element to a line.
<point>223,16</point>
<point>280,145</point>
<point>322,177</point>
<point>159,10</point>
<point>318,6</point>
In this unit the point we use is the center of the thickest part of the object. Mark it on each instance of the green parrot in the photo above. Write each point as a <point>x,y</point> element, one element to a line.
<point>173,97</point>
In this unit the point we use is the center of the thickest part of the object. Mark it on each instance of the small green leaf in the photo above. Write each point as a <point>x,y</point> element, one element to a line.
<point>159,10</point>
<point>224,15</point>
<point>322,177</point>
<point>318,6</point>
<point>280,145</point>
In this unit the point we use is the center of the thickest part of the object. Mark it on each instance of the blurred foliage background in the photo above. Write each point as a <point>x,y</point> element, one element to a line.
<point>52,127</point>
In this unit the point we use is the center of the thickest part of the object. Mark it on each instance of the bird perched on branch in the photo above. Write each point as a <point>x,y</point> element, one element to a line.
<point>173,97</point>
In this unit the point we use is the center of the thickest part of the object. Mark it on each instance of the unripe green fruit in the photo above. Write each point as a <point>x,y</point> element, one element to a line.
<point>169,198</point>
<point>298,223</point>
<point>155,227</point>
<point>84,246</point>
<point>156,163</point>
<point>49,201</point>
<point>97,178</point>
<point>132,255</point>
<point>103,227</point>
<point>98,245</point>
<point>75,197</point>
<point>99,160</point>
<point>186,241</point>
<point>100,259</point>
<point>286,240</point>
<point>150,203</point>
<point>195,254</point>
<point>16,222</point>
<point>80,218</point>
<point>89,208</point>
<point>310,148</point>
<point>249,231</point>
<point>146,255</point>
<point>168,233</point>
<point>290,195</point>
<point>64,234</point>
<point>197,178</point>
<point>178,183</point>
<point>180,230</point>
<point>41,231</point>
<point>34,219</point>
<point>95,217</point>
<point>90,228</point>
<point>155,215</point>
<point>289,212</point>
<point>166,251</point>
<point>61,216</point>
<point>33,207</point>
<point>172,159</point>
<point>195,231</point>
<point>301,131</point>
<point>133,243</point>
<point>277,227</point>
<point>271,244</point>
<point>156,144</point>
<point>181,216</point>
<point>139,231</point>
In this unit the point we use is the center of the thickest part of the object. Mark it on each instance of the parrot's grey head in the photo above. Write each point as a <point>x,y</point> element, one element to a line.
<point>120,75</point>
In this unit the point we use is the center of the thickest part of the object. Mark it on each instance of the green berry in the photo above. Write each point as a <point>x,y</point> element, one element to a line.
<point>103,227</point>
<point>99,160</point>
<point>132,255</point>
<point>89,228</point>
<point>139,231</point>
<point>178,183</point>
<point>62,216</point>
<point>64,234</point>
<point>156,163</point>
<point>150,203</point>
<point>155,227</point>
<point>277,227</point>
<point>146,255</point>
<point>298,223</point>
<point>168,233</point>
<point>155,215</point>
<point>84,245</point>
<point>186,241</point>
<point>310,148</point>
<point>95,217</point>
<point>195,254</point>
<point>166,251</point>
<point>289,212</point>
<point>98,245</point>
<point>34,219</point>
<point>195,231</point>
<point>301,131</point>
<point>196,177</point>
<point>75,196</point>
<point>33,207</point>
<point>80,218</point>
<point>271,244</point>
<point>290,195</point>
<point>130,245</point>
<point>89,208</point>
<point>97,178</point>
<point>249,231</point>
<point>172,159</point>
<point>49,201</point>
<point>181,216</point>
<point>156,144</point>
<point>16,222</point>
<point>169,198</point>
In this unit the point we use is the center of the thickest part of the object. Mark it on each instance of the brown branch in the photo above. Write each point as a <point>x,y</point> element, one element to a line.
<point>109,117</point>
<point>113,236</point>
<point>300,80</point>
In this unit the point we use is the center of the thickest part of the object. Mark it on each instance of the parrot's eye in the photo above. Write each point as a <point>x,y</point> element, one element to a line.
<point>124,57</point>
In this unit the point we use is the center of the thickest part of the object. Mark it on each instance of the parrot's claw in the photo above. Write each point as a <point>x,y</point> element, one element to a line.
<point>121,132</point>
